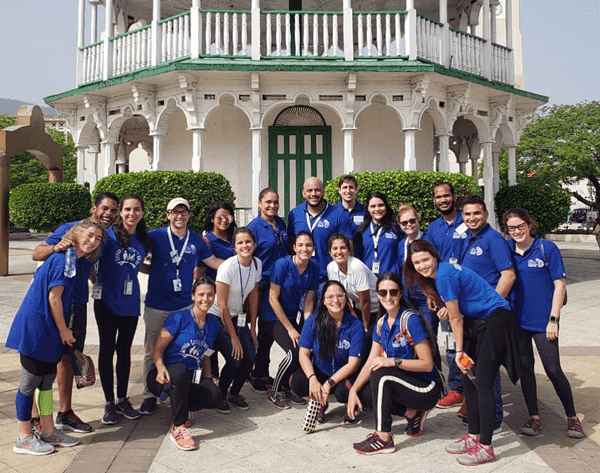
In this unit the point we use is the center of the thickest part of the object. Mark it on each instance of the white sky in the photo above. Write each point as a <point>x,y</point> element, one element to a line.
<point>561,41</point>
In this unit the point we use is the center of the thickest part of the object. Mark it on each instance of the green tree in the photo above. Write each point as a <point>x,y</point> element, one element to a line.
<point>562,146</point>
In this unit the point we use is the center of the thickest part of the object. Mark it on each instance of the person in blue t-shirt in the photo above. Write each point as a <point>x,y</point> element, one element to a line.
<point>219,226</point>
<point>331,349</point>
<point>537,298</point>
<point>352,210</point>
<point>294,281</point>
<point>176,254</point>
<point>39,332</point>
<point>272,243</point>
<point>117,303</point>
<point>485,335</point>
<point>104,211</point>
<point>181,358</point>
<point>400,369</point>
<point>376,240</point>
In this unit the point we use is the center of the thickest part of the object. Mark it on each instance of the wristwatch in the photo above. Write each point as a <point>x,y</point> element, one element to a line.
<point>331,382</point>
<point>397,362</point>
<point>554,319</point>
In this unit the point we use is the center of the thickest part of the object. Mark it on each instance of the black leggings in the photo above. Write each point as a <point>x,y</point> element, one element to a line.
<point>395,390</point>
<point>550,357</point>
<point>116,334</point>
<point>290,362</point>
<point>186,396</point>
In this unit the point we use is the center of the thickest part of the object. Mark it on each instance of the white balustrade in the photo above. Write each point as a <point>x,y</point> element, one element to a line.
<point>466,52</point>
<point>500,58</point>
<point>175,37</point>
<point>379,34</point>
<point>429,39</point>
<point>225,33</point>
<point>131,51</point>
<point>92,62</point>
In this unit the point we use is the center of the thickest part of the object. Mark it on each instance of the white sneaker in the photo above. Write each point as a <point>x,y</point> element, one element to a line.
<point>32,445</point>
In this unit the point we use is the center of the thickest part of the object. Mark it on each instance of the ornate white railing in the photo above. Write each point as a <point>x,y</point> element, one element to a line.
<point>466,51</point>
<point>175,37</point>
<point>93,62</point>
<point>132,50</point>
<point>380,34</point>
<point>226,33</point>
<point>429,39</point>
<point>500,63</point>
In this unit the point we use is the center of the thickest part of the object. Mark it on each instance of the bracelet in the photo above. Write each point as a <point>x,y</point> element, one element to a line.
<point>460,351</point>
<point>53,250</point>
<point>311,376</point>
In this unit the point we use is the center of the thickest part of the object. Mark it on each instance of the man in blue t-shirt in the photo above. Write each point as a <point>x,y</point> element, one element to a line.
<point>352,210</point>
<point>176,254</point>
<point>104,211</point>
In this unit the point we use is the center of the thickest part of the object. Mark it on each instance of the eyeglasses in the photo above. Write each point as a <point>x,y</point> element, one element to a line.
<point>227,218</point>
<point>410,221</point>
<point>333,297</point>
<point>183,213</point>
<point>384,292</point>
<point>521,227</point>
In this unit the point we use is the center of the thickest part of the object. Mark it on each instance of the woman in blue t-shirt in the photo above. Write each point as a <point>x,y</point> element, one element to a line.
<point>485,334</point>
<point>331,349</point>
<point>117,303</point>
<point>537,298</point>
<point>39,332</point>
<point>400,368</point>
<point>219,226</point>
<point>181,358</point>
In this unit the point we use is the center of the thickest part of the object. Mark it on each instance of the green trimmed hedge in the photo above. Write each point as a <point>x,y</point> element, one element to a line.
<point>548,205</point>
<point>45,206</point>
<point>409,187</point>
<point>157,188</point>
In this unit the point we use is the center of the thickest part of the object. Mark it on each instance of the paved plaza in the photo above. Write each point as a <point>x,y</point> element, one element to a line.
<point>265,439</point>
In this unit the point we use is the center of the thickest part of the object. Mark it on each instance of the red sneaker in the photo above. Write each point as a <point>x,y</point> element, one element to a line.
<point>462,412</point>
<point>453,398</point>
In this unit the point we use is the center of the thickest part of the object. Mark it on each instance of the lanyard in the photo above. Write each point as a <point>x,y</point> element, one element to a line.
<point>419,235</point>
<point>244,286</point>
<point>176,258</point>
<point>375,240</point>
<point>317,217</point>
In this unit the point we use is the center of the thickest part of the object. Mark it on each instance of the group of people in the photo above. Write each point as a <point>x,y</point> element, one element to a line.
<point>352,293</point>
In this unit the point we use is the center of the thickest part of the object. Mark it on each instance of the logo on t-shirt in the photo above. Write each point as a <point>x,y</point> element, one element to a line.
<point>477,251</point>
<point>324,224</point>
<point>391,236</point>
<point>129,256</point>
<point>191,249</point>
<point>535,263</point>
<point>343,345</point>
<point>193,349</point>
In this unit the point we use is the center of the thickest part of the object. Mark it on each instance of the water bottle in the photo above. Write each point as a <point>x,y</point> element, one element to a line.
<point>70,263</point>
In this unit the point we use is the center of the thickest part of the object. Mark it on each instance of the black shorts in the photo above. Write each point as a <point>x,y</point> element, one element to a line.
<point>37,367</point>
<point>78,315</point>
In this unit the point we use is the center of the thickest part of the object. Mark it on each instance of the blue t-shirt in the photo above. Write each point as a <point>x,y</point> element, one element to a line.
<point>33,332</point>
<point>220,248</point>
<point>531,295</point>
<point>448,240</point>
<point>190,342</point>
<point>293,287</point>
<point>84,266</point>
<point>271,244</point>
<point>117,267</point>
<point>163,270</point>
<point>351,342</point>
<point>326,223</point>
<point>476,298</point>
<point>487,254</point>
<point>395,345</point>
<point>387,248</point>
<point>353,218</point>
<point>413,293</point>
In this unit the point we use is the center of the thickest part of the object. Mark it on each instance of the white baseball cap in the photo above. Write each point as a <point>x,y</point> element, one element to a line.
<point>177,201</point>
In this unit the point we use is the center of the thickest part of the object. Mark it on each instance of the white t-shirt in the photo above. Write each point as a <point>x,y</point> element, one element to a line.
<point>240,279</point>
<point>358,278</point>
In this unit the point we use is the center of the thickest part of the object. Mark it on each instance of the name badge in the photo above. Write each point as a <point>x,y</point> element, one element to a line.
<point>128,287</point>
<point>197,376</point>
<point>177,285</point>
<point>241,321</point>
<point>208,352</point>
<point>462,228</point>
<point>358,219</point>
<point>452,261</point>
<point>97,292</point>
<point>375,267</point>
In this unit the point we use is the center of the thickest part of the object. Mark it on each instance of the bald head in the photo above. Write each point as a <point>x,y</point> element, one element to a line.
<point>313,193</point>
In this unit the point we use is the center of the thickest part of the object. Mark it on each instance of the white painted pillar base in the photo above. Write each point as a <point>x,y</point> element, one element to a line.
<point>197,149</point>
<point>410,156</point>
<point>256,164</point>
<point>157,164</point>
<point>81,164</point>
<point>512,165</point>
<point>109,151</point>
<point>444,144</point>
<point>348,150</point>
<point>488,182</point>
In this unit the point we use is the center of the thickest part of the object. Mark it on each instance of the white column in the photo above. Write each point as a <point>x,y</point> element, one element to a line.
<point>108,32</point>
<point>197,149</point>
<point>348,31</point>
<point>81,164</point>
<point>410,156</point>
<point>157,164</point>
<point>512,165</point>
<point>196,27</point>
<point>410,27</point>
<point>495,163</point>
<point>108,149</point>
<point>487,47</point>
<point>348,150</point>
<point>444,141</point>
<point>493,26</point>
<point>445,44</point>
<point>156,33</point>
<point>80,41</point>
<point>255,31</point>
<point>93,154</point>
<point>444,11</point>
<point>488,181</point>
<point>94,21</point>
<point>256,162</point>
<point>509,40</point>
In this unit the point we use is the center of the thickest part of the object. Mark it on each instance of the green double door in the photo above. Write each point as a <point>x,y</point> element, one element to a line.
<point>295,154</point>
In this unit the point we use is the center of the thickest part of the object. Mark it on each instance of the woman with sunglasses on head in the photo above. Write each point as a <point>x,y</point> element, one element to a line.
<point>219,226</point>
<point>537,298</point>
<point>376,240</point>
<point>485,335</point>
<point>400,370</point>
<point>331,348</point>
<point>272,243</point>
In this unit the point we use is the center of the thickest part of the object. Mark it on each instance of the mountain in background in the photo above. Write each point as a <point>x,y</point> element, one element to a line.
<point>11,107</point>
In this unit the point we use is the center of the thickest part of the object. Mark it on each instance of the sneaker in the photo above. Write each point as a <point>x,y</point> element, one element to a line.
<point>374,444</point>
<point>181,437</point>
<point>32,445</point>
<point>453,398</point>
<point>125,409</point>
<point>462,445</point>
<point>148,406</point>
<point>278,400</point>
<point>71,421</point>
<point>321,414</point>
<point>258,385</point>
<point>110,414</point>
<point>497,428</point>
<point>348,421</point>
<point>224,407</point>
<point>531,427</point>
<point>59,439</point>
<point>415,424</point>
<point>238,401</point>
<point>462,412</point>
<point>574,429</point>
<point>477,455</point>
<point>293,397</point>
<point>36,425</point>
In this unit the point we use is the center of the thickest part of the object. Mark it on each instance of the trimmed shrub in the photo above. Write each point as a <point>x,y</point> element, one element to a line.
<point>548,205</point>
<point>157,188</point>
<point>45,206</point>
<point>408,187</point>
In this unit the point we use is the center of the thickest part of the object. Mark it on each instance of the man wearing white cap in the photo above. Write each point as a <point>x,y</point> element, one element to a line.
<point>176,252</point>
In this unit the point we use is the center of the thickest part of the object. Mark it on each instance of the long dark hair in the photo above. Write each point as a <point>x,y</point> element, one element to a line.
<point>141,230</point>
<point>325,326</point>
<point>209,221</point>
<point>389,219</point>
<point>411,276</point>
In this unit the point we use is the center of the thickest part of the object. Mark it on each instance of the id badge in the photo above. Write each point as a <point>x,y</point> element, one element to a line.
<point>376,267</point>
<point>97,292</point>
<point>177,285</point>
<point>128,287</point>
<point>314,253</point>
<point>197,376</point>
<point>358,219</point>
<point>299,317</point>
<point>208,352</point>
<point>241,322</point>
<point>453,260</point>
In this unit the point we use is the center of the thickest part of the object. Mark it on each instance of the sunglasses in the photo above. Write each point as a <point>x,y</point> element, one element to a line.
<point>384,292</point>
<point>410,221</point>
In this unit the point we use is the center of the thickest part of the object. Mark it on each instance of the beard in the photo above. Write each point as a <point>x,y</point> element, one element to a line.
<point>449,210</point>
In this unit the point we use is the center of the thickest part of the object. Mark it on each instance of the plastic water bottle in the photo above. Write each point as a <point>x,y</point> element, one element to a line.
<point>70,263</point>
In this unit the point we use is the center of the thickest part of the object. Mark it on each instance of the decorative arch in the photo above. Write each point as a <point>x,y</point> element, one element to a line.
<point>163,116</point>
<point>221,100</point>
<point>372,101</point>
<point>299,115</point>
<point>89,134</point>
<point>439,122</point>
